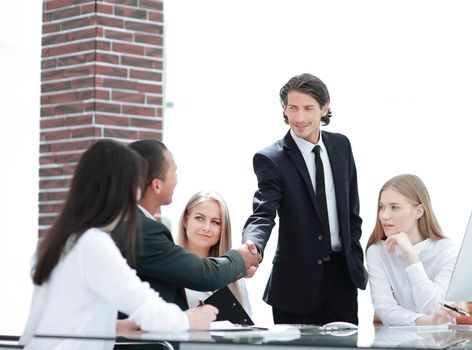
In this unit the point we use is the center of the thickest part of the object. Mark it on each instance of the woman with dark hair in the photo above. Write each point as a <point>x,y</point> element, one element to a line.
<point>81,280</point>
<point>409,259</point>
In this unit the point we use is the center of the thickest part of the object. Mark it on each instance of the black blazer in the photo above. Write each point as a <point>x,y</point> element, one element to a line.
<point>285,189</point>
<point>169,268</point>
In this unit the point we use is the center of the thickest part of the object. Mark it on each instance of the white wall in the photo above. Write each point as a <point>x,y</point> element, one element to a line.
<point>398,72</point>
<point>399,75</point>
<point>20,43</point>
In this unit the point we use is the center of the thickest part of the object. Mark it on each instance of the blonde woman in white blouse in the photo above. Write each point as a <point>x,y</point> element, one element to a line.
<point>409,260</point>
<point>81,280</point>
<point>205,230</point>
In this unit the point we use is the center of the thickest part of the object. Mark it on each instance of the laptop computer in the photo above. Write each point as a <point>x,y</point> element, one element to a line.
<point>460,286</point>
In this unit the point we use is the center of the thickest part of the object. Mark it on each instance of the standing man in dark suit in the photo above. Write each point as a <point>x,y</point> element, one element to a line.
<point>309,179</point>
<point>158,260</point>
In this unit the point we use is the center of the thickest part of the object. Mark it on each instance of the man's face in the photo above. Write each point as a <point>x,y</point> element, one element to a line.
<point>304,115</point>
<point>169,179</point>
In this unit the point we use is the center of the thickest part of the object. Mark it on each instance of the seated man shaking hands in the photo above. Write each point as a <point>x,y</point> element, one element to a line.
<point>168,268</point>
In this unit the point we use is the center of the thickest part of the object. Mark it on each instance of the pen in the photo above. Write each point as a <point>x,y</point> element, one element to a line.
<point>460,311</point>
<point>200,302</point>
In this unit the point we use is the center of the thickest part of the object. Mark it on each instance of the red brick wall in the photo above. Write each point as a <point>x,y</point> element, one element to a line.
<point>101,77</point>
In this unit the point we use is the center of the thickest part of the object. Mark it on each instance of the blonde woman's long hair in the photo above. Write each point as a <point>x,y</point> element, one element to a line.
<point>413,188</point>
<point>224,244</point>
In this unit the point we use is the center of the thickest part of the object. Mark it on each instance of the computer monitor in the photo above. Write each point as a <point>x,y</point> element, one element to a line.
<point>460,287</point>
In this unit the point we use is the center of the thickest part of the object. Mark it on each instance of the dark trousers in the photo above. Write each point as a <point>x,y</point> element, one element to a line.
<point>336,301</point>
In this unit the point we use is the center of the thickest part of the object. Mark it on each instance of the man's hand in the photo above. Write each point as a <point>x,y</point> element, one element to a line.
<point>252,247</point>
<point>251,272</point>
<point>251,257</point>
<point>201,317</point>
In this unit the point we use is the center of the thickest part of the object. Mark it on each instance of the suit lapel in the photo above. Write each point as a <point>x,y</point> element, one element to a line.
<point>296,157</point>
<point>337,162</point>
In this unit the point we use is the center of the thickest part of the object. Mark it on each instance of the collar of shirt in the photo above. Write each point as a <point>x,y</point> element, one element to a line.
<point>146,213</point>
<point>419,247</point>
<point>306,147</point>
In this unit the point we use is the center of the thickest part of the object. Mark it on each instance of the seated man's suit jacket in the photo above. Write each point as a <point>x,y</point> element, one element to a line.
<point>169,268</point>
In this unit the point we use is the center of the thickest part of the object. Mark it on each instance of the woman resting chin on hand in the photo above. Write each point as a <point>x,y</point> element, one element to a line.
<point>409,259</point>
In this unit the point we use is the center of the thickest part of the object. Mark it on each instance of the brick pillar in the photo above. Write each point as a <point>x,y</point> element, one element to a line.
<point>101,77</point>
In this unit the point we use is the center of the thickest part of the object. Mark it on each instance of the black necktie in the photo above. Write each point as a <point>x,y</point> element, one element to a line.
<point>321,199</point>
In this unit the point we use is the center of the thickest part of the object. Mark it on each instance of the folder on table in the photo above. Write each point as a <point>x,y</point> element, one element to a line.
<point>229,307</point>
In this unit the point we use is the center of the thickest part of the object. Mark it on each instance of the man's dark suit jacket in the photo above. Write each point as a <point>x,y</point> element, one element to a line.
<point>169,268</point>
<point>285,188</point>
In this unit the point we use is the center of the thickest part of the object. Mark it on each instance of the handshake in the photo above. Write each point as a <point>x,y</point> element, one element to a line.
<point>251,257</point>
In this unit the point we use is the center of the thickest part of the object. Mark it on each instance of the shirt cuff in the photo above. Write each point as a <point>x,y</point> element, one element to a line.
<point>157,315</point>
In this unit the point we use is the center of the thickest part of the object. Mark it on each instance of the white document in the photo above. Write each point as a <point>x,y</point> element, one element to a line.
<point>276,332</point>
<point>228,326</point>
<point>460,327</point>
<point>423,329</point>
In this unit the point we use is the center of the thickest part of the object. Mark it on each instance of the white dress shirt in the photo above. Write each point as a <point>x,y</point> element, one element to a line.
<point>146,213</point>
<point>401,292</point>
<point>306,149</point>
<point>88,286</point>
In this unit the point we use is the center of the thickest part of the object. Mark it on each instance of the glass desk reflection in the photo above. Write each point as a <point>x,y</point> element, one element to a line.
<point>283,337</point>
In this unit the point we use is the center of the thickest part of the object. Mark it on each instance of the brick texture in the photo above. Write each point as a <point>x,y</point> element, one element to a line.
<point>101,77</point>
